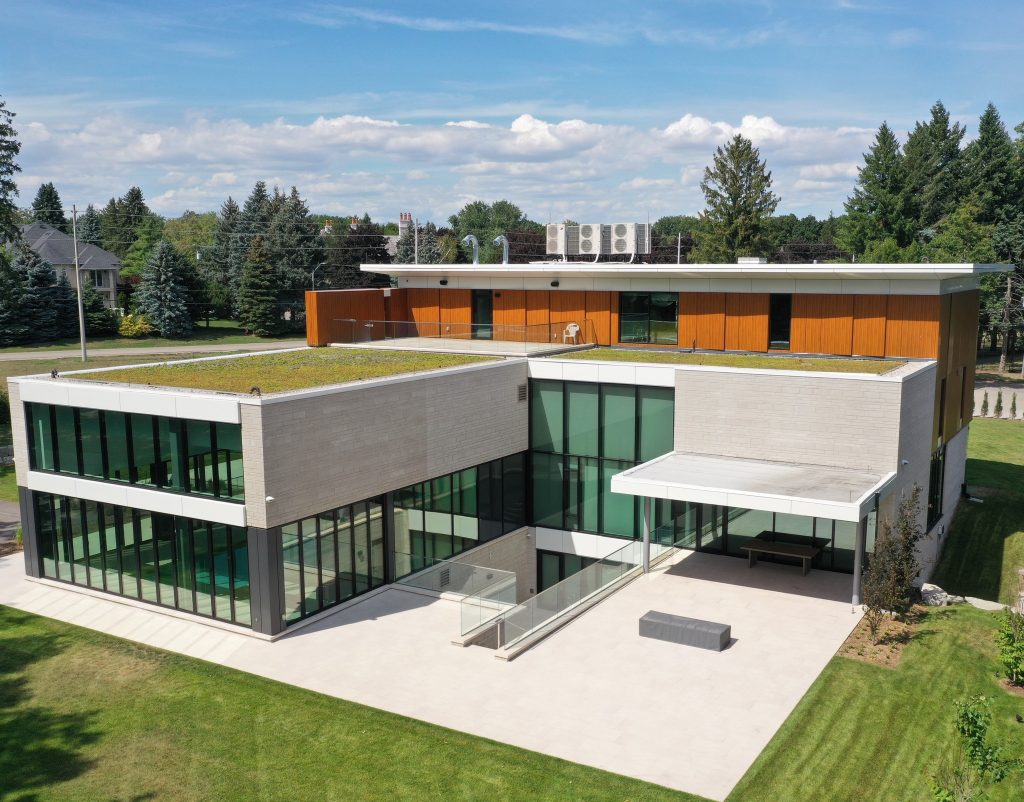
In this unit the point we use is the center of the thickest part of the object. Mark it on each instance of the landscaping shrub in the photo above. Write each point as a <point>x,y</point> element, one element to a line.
<point>1010,639</point>
<point>134,325</point>
<point>998,412</point>
<point>5,406</point>
<point>1013,407</point>
<point>984,404</point>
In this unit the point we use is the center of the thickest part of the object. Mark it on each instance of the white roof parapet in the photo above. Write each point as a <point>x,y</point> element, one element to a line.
<point>843,494</point>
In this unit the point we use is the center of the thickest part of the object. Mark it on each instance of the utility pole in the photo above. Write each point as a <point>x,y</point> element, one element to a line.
<point>78,281</point>
<point>415,242</point>
<point>679,249</point>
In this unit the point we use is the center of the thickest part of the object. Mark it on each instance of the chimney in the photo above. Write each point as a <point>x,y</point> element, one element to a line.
<point>353,224</point>
<point>404,223</point>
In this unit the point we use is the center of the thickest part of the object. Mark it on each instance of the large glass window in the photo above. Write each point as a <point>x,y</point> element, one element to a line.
<point>172,561</point>
<point>648,317</point>
<point>182,456</point>
<point>608,428</point>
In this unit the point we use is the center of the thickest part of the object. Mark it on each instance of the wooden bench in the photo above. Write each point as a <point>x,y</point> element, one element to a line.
<point>760,545</point>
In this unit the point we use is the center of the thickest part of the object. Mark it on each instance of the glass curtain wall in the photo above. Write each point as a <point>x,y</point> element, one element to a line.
<point>171,454</point>
<point>332,557</point>
<point>453,513</point>
<point>554,566</point>
<point>581,434</point>
<point>195,566</point>
<point>649,317</point>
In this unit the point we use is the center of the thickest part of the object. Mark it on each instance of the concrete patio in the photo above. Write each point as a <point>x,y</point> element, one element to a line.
<point>594,692</point>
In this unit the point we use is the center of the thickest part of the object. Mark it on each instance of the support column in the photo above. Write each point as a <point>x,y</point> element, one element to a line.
<point>29,536</point>
<point>266,580</point>
<point>647,534</point>
<point>858,558</point>
<point>390,557</point>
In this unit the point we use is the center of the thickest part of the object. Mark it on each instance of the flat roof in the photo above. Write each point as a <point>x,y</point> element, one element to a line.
<point>851,271</point>
<point>281,371</point>
<point>769,361</point>
<point>800,489</point>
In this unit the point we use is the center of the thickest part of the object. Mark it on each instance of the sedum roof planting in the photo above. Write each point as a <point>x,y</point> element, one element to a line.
<point>758,361</point>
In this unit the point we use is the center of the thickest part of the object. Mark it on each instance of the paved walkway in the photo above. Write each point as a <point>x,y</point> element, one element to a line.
<point>594,692</point>
<point>10,520</point>
<point>17,356</point>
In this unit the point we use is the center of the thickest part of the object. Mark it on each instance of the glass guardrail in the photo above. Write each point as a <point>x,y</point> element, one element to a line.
<point>447,576</point>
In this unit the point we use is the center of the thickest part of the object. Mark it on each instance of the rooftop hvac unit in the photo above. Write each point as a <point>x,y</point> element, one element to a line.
<point>623,238</point>
<point>556,239</point>
<point>643,237</point>
<point>590,239</point>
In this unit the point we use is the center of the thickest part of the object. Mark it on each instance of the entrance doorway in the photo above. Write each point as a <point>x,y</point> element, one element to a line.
<point>483,315</point>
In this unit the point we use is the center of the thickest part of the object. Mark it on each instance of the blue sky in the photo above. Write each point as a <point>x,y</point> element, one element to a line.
<point>591,110</point>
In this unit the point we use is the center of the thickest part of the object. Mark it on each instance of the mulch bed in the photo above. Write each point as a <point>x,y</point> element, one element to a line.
<point>8,547</point>
<point>893,636</point>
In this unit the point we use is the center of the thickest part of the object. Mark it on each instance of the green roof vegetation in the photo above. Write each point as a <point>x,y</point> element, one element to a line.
<point>202,731</point>
<point>289,370</point>
<point>833,365</point>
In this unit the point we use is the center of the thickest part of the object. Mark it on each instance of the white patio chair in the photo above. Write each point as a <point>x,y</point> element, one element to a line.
<point>569,335</point>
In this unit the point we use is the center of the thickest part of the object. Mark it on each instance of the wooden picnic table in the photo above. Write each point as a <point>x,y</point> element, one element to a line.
<point>762,545</point>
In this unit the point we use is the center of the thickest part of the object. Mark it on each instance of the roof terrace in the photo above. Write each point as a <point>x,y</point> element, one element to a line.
<point>282,371</point>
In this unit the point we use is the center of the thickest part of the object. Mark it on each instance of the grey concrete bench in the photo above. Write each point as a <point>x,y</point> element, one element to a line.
<point>687,631</point>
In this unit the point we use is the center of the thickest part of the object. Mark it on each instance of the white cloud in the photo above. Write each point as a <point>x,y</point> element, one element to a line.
<point>364,163</point>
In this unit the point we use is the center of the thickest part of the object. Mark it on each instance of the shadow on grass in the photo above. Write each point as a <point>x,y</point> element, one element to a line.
<point>39,744</point>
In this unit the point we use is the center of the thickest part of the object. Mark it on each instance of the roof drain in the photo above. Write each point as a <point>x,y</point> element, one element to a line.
<point>469,239</point>
<point>502,240</point>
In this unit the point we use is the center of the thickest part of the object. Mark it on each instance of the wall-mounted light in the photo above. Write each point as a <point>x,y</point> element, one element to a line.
<point>444,282</point>
<point>554,283</point>
<point>497,295</point>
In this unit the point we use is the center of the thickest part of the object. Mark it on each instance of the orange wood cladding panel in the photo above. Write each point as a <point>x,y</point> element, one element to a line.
<point>599,312</point>
<point>869,314</point>
<point>424,308</point>
<point>509,314</point>
<point>396,306</point>
<point>568,306</point>
<point>456,312</point>
<point>912,326</point>
<point>702,320</point>
<point>822,324</point>
<point>746,321</point>
<point>327,313</point>
<point>538,313</point>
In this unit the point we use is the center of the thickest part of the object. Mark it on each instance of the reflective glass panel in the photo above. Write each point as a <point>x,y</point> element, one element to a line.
<point>92,443</point>
<point>618,434</point>
<point>67,444</point>
<point>546,420</point>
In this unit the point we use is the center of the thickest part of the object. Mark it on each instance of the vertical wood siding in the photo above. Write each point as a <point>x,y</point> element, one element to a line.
<point>746,321</point>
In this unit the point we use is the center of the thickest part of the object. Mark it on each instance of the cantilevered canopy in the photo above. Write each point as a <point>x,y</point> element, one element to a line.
<point>814,490</point>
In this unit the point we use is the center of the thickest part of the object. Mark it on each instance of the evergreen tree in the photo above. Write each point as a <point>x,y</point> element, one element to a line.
<point>113,235</point>
<point>962,236</point>
<point>65,301</point>
<point>879,206</point>
<point>47,208</point>
<point>255,216</point>
<point>10,147</point>
<point>294,247</point>
<point>162,296</point>
<point>934,168</point>
<point>90,228</point>
<point>14,326</point>
<point>134,210</point>
<point>738,192</point>
<point>38,306</point>
<point>146,237</point>
<point>258,293</point>
<point>991,169</point>
<point>99,321</point>
<point>364,245</point>
<point>227,258</point>
<point>429,252</point>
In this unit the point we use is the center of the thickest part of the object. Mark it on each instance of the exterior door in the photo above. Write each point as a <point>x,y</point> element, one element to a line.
<point>483,315</point>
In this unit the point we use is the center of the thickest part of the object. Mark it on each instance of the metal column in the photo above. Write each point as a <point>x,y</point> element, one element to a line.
<point>858,558</point>
<point>647,534</point>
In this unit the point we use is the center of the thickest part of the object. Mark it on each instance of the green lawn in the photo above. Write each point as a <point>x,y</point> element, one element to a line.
<point>226,332</point>
<point>292,370</point>
<point>986,543</point>
<point>876,366</point>
<point>8,484</point>
<point>85,716</point>
<point>864,732</point>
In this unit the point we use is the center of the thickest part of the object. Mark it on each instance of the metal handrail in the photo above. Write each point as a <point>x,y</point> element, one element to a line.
<point>353,330</point>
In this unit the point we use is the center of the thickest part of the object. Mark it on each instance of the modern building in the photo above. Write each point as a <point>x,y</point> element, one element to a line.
<point>100,268</point>
<point>533,419</point>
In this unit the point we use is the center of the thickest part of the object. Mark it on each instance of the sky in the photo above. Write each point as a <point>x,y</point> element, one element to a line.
<point>589,110</point>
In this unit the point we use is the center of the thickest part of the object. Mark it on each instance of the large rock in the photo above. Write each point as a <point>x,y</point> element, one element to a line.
<point>934,596</point>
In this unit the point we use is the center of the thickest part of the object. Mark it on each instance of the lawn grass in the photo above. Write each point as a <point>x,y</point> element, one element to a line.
<point>985,546</point>
<point>226,332</point>
<point>8,484</point>
<point>875,366</point>
<point>85,716</point>
<point>291,370</point>
<point>863,732</point>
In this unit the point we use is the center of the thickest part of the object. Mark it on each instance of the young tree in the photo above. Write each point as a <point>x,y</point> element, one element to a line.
<point>90,228</point>
<point>973,764</point>
<point>47,208</point>
<point>991,169</point>
<point>10,147</point>
<point>879,206</point>
<point>38,307</point>
<point>893,567</point>
<point>258,293</point>
<point>162,296</point>
<point>738,192</point>
<point>1010,639</point>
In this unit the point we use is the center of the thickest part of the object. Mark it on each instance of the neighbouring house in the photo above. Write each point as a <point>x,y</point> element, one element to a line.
<point>100,268</point>
<point>736,410</point>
